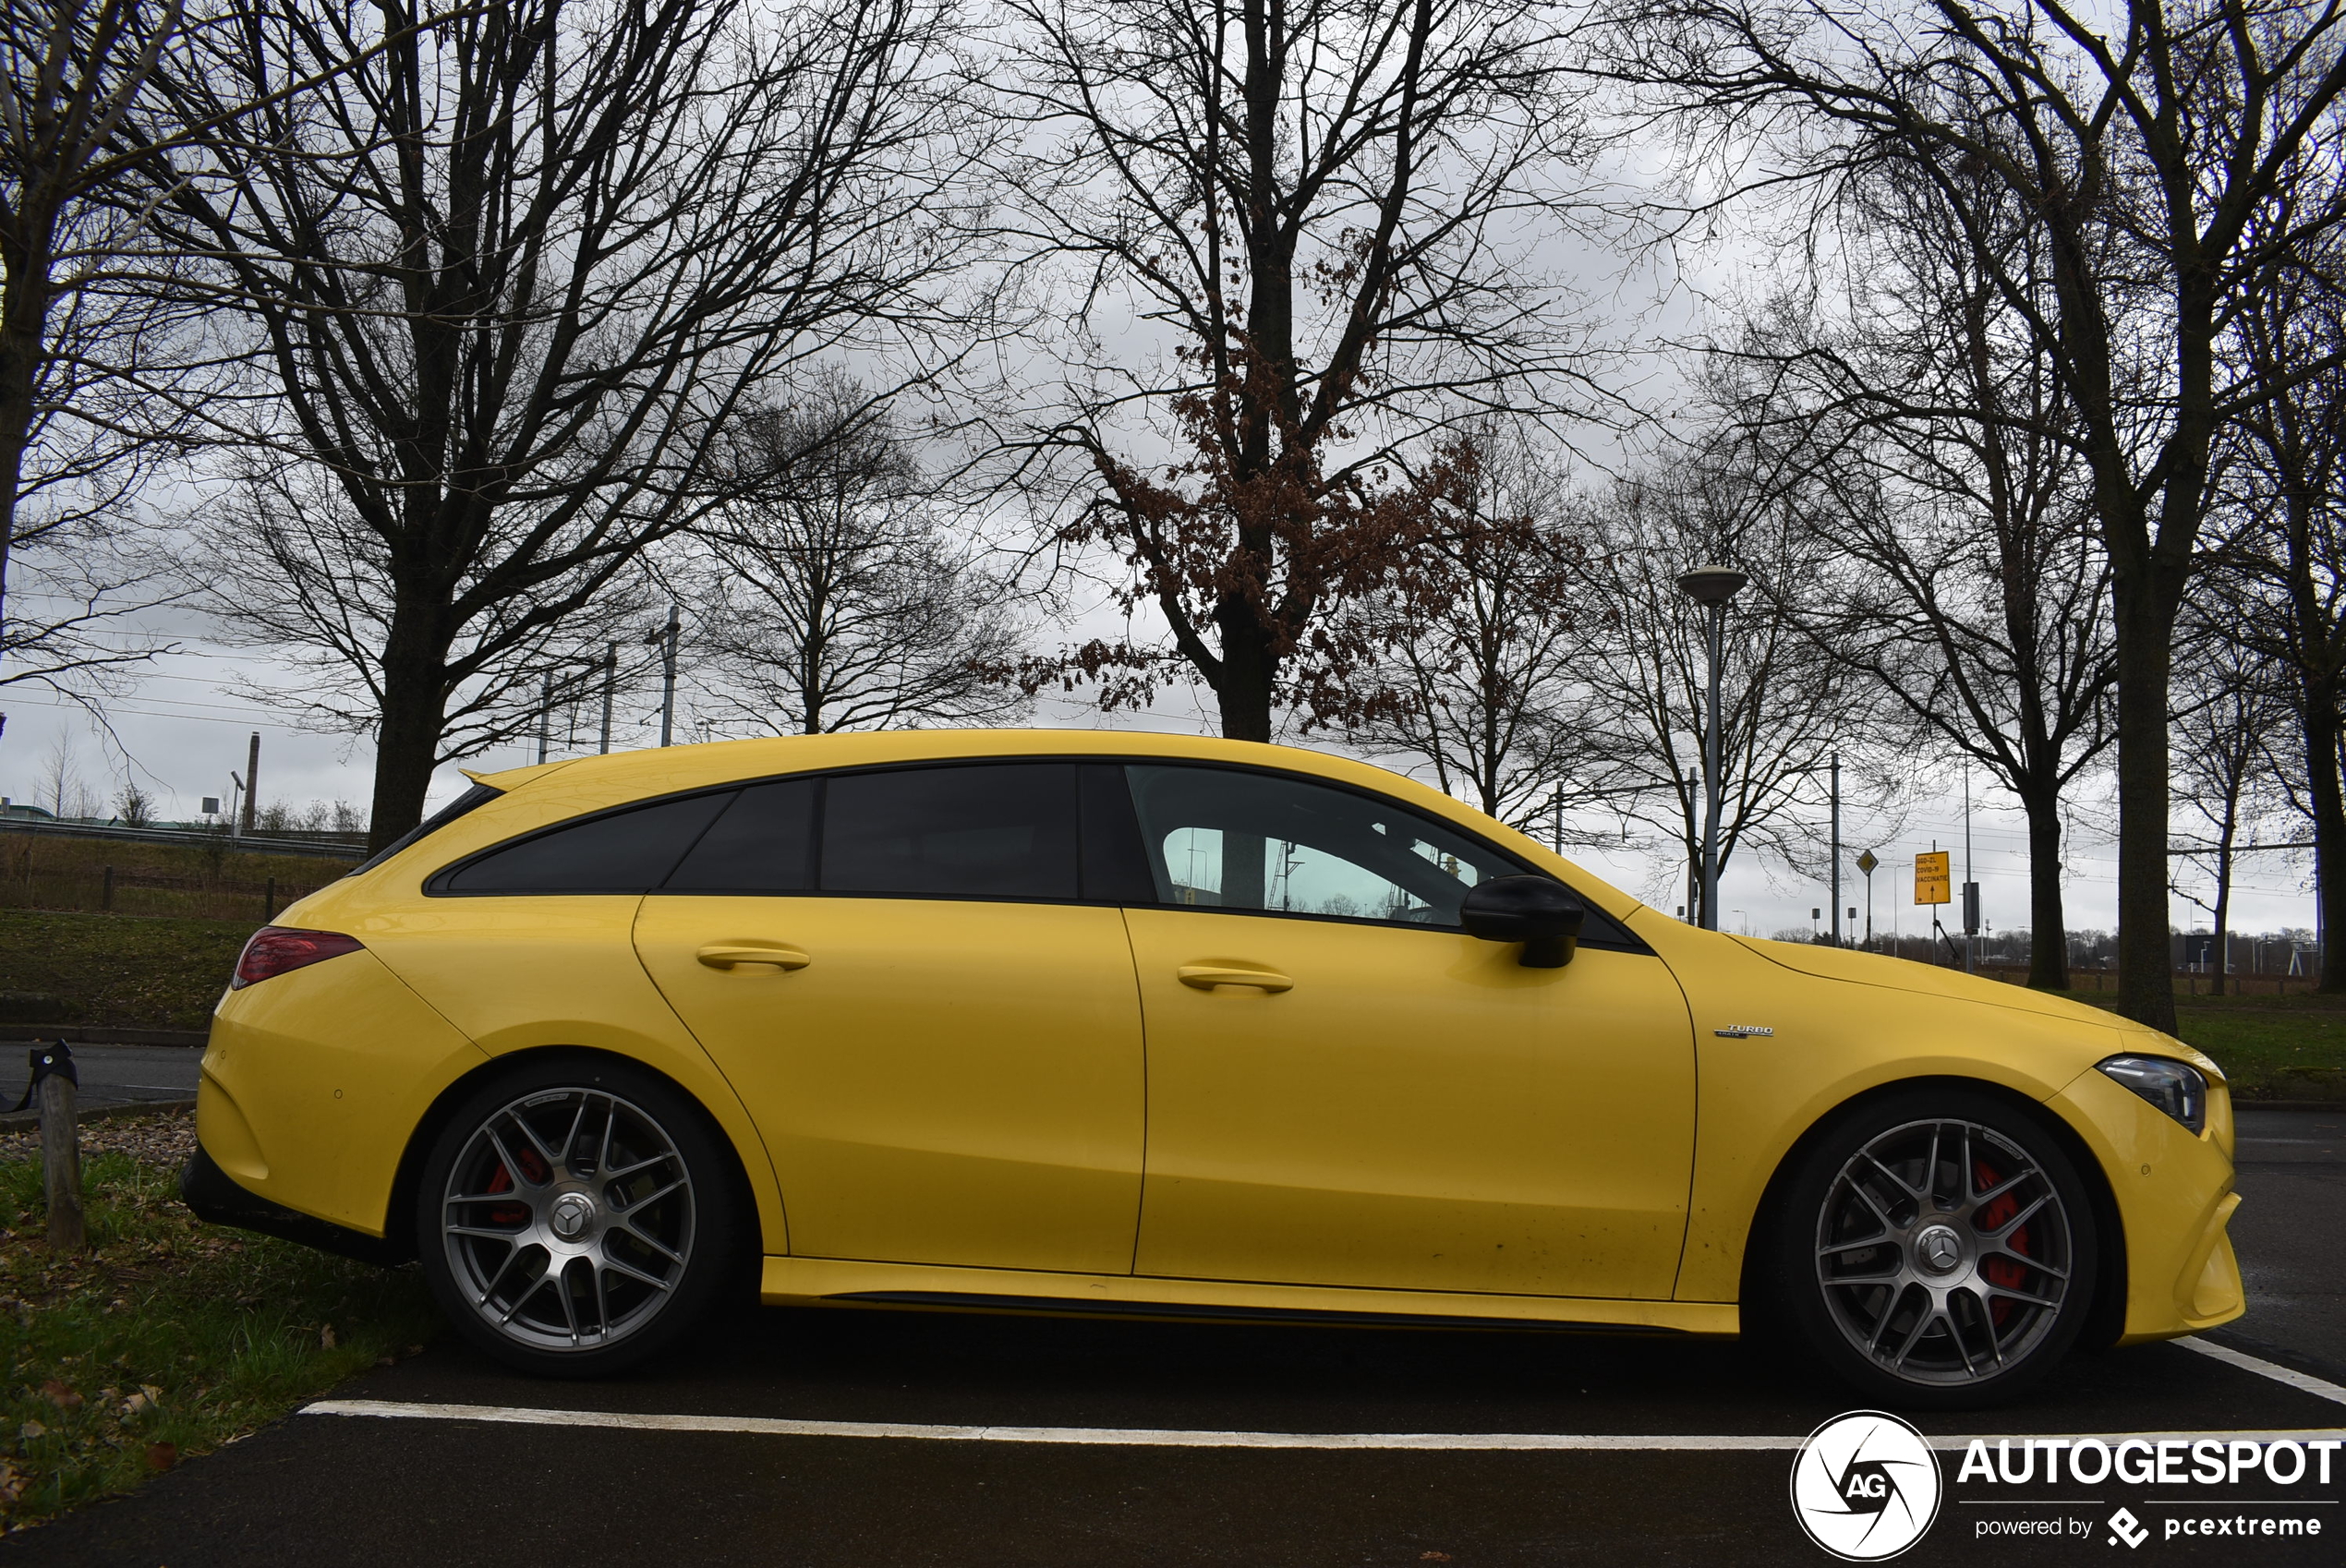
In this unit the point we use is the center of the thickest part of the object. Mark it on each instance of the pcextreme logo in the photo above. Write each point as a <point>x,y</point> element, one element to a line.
<point>1865,1486</point>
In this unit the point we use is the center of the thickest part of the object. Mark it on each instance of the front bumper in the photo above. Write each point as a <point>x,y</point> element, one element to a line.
<point>215,1197</point>
<point>2173,1193</point>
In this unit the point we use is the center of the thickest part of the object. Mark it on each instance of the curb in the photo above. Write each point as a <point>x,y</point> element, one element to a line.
<point>2335,1107</point>
<point>29,1121</point>
<point>13,1035</point>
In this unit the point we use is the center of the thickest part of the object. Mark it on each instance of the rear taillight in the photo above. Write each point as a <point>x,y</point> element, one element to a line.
<point>274,949</point>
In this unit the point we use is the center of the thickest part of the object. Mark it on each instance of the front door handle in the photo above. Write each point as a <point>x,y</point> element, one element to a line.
<point>1206,977</point>
<point>726,955</point>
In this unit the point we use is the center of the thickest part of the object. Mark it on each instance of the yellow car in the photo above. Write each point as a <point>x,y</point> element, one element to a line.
<point>1068,1021</point>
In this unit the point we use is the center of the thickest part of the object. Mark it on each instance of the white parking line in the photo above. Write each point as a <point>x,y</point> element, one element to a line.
<point>1143,1437</point>
<point>2302,1381</point>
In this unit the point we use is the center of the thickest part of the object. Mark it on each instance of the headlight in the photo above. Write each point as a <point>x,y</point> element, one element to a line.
<point>2178,1090</point>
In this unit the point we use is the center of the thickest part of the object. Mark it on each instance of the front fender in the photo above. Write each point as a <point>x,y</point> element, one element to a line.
<point>1834,1040</point>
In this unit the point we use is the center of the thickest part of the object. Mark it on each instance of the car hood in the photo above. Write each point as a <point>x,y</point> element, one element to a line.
<point>1929,979</point>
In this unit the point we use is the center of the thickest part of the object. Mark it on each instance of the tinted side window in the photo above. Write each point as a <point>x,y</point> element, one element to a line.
<point>764,843</point>
<point>1002,831</point>
<point>479,795</point>
<point>626,852</point>
<point>1234,840</point>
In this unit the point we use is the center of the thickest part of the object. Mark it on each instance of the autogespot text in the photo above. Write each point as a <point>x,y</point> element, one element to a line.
<point>2142,1461</point>
<point>2298,1467</point>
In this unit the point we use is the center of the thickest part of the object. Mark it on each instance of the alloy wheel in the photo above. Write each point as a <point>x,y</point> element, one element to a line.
<point>1944,1252</point>
<point>568,1220</point>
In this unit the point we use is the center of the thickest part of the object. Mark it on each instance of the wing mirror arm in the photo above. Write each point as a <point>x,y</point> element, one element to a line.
<point>1537,911</point>
<point>1550,952</point>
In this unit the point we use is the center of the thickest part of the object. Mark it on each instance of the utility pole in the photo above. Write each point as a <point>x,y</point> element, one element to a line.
<point>666,638</point>
<point>252,783</point>
<point>611,681</point>
<point>1694,867</point>
<point>1970,888</point>
<point>545,716</point>
<point>1836,849</point>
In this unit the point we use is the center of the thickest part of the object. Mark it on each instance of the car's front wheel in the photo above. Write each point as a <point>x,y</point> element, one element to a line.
<point>575,1216</point>
<point>1937,1248</point>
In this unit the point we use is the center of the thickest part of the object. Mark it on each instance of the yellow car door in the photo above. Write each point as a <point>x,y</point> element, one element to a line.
<point>1343,1088</point>
<point>937,1036</point>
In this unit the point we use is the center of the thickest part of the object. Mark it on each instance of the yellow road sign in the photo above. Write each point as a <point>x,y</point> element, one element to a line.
<point>1931,877</point>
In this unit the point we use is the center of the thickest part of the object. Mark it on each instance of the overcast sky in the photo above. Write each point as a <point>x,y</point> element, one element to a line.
<point>180,727</point>
<point>185,726</point>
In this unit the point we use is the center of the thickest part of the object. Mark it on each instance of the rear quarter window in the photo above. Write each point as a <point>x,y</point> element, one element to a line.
<point>631,851</point>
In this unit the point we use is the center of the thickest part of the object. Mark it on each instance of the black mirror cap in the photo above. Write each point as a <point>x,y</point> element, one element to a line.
<point>1537,912</point>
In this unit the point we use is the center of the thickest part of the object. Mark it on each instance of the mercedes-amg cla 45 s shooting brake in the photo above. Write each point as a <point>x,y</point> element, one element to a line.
<point>1113,1024</point>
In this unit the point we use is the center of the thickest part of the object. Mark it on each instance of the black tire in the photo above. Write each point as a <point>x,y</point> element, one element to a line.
<point>1954,1292</point>
<point>577,1214</point>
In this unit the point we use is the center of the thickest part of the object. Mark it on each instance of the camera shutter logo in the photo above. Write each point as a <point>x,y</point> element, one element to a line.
<point>1865,1486</point>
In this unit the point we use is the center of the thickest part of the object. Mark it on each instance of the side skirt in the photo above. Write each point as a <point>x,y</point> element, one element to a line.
<point>837,1283</point>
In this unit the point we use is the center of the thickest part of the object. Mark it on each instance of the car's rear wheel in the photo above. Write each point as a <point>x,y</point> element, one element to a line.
<point>575,1216</point>
<point>1937,1248</point>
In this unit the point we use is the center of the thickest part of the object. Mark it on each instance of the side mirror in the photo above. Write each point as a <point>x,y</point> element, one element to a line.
<point>1538,912</point>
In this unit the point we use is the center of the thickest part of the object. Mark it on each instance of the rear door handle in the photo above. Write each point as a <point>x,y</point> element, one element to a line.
<point>1206,977</point>
<point>726,955</point>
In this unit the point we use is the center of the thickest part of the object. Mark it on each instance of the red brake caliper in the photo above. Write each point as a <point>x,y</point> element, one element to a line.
<point>503,1181</point>
<point>2005,1274</point>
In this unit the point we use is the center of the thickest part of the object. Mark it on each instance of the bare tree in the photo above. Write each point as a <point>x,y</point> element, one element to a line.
<point>2149,146</point>
<point>94,349</point>
<point>511,271</point>
<point>1294,243</point>
<point>2232,711</point>
<point>2278,590</point>
<point>62,785</point>
<point>1965,575</point>
<point>1786,705</point>
<point>836,599</point>
<point>1482,676</point>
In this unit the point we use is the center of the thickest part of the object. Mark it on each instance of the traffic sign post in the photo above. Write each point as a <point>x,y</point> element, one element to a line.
<point>1866,863</point>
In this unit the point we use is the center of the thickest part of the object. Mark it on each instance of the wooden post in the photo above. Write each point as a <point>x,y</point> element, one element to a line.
<point>105,898</point>
<point>61,1164</point>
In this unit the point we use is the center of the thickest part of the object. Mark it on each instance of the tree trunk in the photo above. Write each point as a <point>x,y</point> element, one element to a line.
<point>2318,716</point>
<point>2048,941</point>
<point>2221,960</point>
<point>1242,684</point>
<point>407,746</point>
<point>24,314</point>
<point>2146,972</point>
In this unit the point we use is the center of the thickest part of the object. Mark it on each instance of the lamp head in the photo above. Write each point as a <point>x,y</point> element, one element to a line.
<point>1712,585</point>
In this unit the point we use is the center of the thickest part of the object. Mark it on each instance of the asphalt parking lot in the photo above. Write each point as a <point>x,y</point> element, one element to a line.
<point>112,1076</point>
<point>1005,1441</point>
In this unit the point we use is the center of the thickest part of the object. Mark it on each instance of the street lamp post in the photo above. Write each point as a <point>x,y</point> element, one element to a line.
<point>1713,586</point>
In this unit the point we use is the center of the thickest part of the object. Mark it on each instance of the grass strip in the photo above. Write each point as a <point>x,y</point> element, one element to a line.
<point>2270,1047</point>
<point>170,1337</point>
<point>124,970</point>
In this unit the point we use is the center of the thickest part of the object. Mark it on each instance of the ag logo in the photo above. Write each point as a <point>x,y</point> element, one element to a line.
<point>1865,1486</point>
